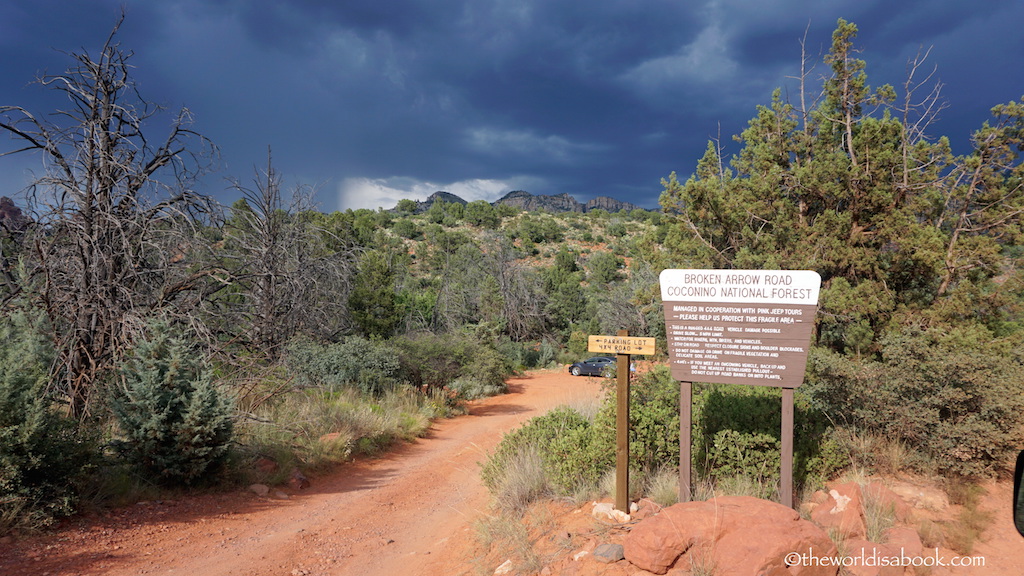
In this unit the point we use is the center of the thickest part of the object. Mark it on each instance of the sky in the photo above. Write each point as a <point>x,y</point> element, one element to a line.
<point>372,101</point>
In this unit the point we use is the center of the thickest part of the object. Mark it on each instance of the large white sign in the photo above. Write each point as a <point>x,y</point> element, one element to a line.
<point>741,286</point>
<point>739,326</point>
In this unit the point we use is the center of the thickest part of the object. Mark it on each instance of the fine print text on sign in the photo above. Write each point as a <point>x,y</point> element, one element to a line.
<point>739,326</point>
<point>620,345</point>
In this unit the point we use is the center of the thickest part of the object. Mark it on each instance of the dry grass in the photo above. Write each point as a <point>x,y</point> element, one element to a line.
<point>586,405</point>
<point>524,482</point>
<point>931,533</point>
<point>663,486</point>
<point>316,429</point>
<point>506,536</point>
<point>882,455</point>
<point>706,489</point>
<point>702,562</point>
<point>970,523</point>
<point>879,516</point>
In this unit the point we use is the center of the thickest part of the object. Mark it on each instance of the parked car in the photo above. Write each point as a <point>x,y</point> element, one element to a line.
<point>596,366</point>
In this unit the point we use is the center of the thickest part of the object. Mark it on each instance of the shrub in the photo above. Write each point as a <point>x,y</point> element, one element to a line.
<point>469,388</point>
<point>406,228</point>
<point>572,456</point>
<point>431,361</point>
<point>177,425</point>
<point>954,393</point>
<point>735,438</point>
<point>315,428</point>
<point>604,268</point>
<point>41,452</point>
<point>753,455</point>
<point>653,421</point>
<point>368,366</point>
<point>754,415</point>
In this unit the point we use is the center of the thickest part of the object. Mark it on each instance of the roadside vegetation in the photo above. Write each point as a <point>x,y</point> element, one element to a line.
<point>152,340</point>
<point>916,360</point>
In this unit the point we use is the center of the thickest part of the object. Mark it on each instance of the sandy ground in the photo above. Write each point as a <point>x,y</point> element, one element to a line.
<point>410,512</point>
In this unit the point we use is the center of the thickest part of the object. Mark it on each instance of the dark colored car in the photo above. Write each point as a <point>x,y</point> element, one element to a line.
<point>596,366</point>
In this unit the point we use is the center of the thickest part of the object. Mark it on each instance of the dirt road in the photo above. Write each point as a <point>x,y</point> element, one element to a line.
<point>410,512</point>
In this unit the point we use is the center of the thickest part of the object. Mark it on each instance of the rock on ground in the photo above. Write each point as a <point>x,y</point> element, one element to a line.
<point>732,535</point>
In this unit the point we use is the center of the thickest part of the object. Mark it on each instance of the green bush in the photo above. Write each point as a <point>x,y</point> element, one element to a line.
<point>954,393</point>
<point>470,388</point>
<point>42,453</point>
<point>526,355</point>
<point>406,228</point>
<point>365,365</point>
<point>573,456</point>
<point>653,421</point>
<point>177,425</point>
<point>753,414</point>
<point>736,432</point>
<point>431,361</point>
<point>754,455</point>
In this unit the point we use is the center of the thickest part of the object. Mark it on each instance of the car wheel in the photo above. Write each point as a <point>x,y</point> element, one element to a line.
<point>575,371</point>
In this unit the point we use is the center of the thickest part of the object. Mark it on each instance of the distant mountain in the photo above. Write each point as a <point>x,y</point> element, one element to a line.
<point>11,217</point>
<point>530,202</point>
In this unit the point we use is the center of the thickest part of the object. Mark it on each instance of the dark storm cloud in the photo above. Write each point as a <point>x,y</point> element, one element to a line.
<point>379,100</point>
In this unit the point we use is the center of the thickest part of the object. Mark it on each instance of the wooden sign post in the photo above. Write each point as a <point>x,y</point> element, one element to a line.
<point>739,327</point>
<point>623,347</point>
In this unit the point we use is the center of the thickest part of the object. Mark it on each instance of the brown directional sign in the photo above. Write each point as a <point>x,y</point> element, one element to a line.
<point>620,345</point>
<point>739,326</point>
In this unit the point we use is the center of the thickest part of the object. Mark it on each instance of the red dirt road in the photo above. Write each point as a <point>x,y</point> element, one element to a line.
<point>410,512</point>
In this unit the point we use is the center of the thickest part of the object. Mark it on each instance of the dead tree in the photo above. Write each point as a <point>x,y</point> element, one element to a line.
<point>112,213</point>
<point>289,272</point>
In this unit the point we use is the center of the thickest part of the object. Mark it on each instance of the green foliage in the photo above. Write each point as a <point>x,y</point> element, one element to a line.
<point>315,428</point>
<point>430,361</point>
<point>616,229</point>
<point>372,301</point>
<point>572,455</point>
<point>566,302</point>
<point>604,268</point>
<point>752,455</point>
<point>538,229</point>
<point>917,249</point>
<point>526,355</point>
<point>406,206</point>
<point>506,210</point>
<point>406,228</point>
<point>736,432</point>
<point>436,212</point>
<point>653,421</point>
<point>481,213</point>
<point>892,221</point>
<point>954,393</point>
<point>42,454</point>
<point>177,425</point>
<point>471,388</point>
<point>369,366</point>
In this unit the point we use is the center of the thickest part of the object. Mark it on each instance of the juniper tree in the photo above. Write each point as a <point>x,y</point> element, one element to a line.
<point>888,217</point>
<point>177,425</point>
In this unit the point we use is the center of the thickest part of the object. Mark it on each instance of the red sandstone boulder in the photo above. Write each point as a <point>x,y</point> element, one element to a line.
<point>734,535</point>
<point>842,511</point>
<point>882,496</point>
